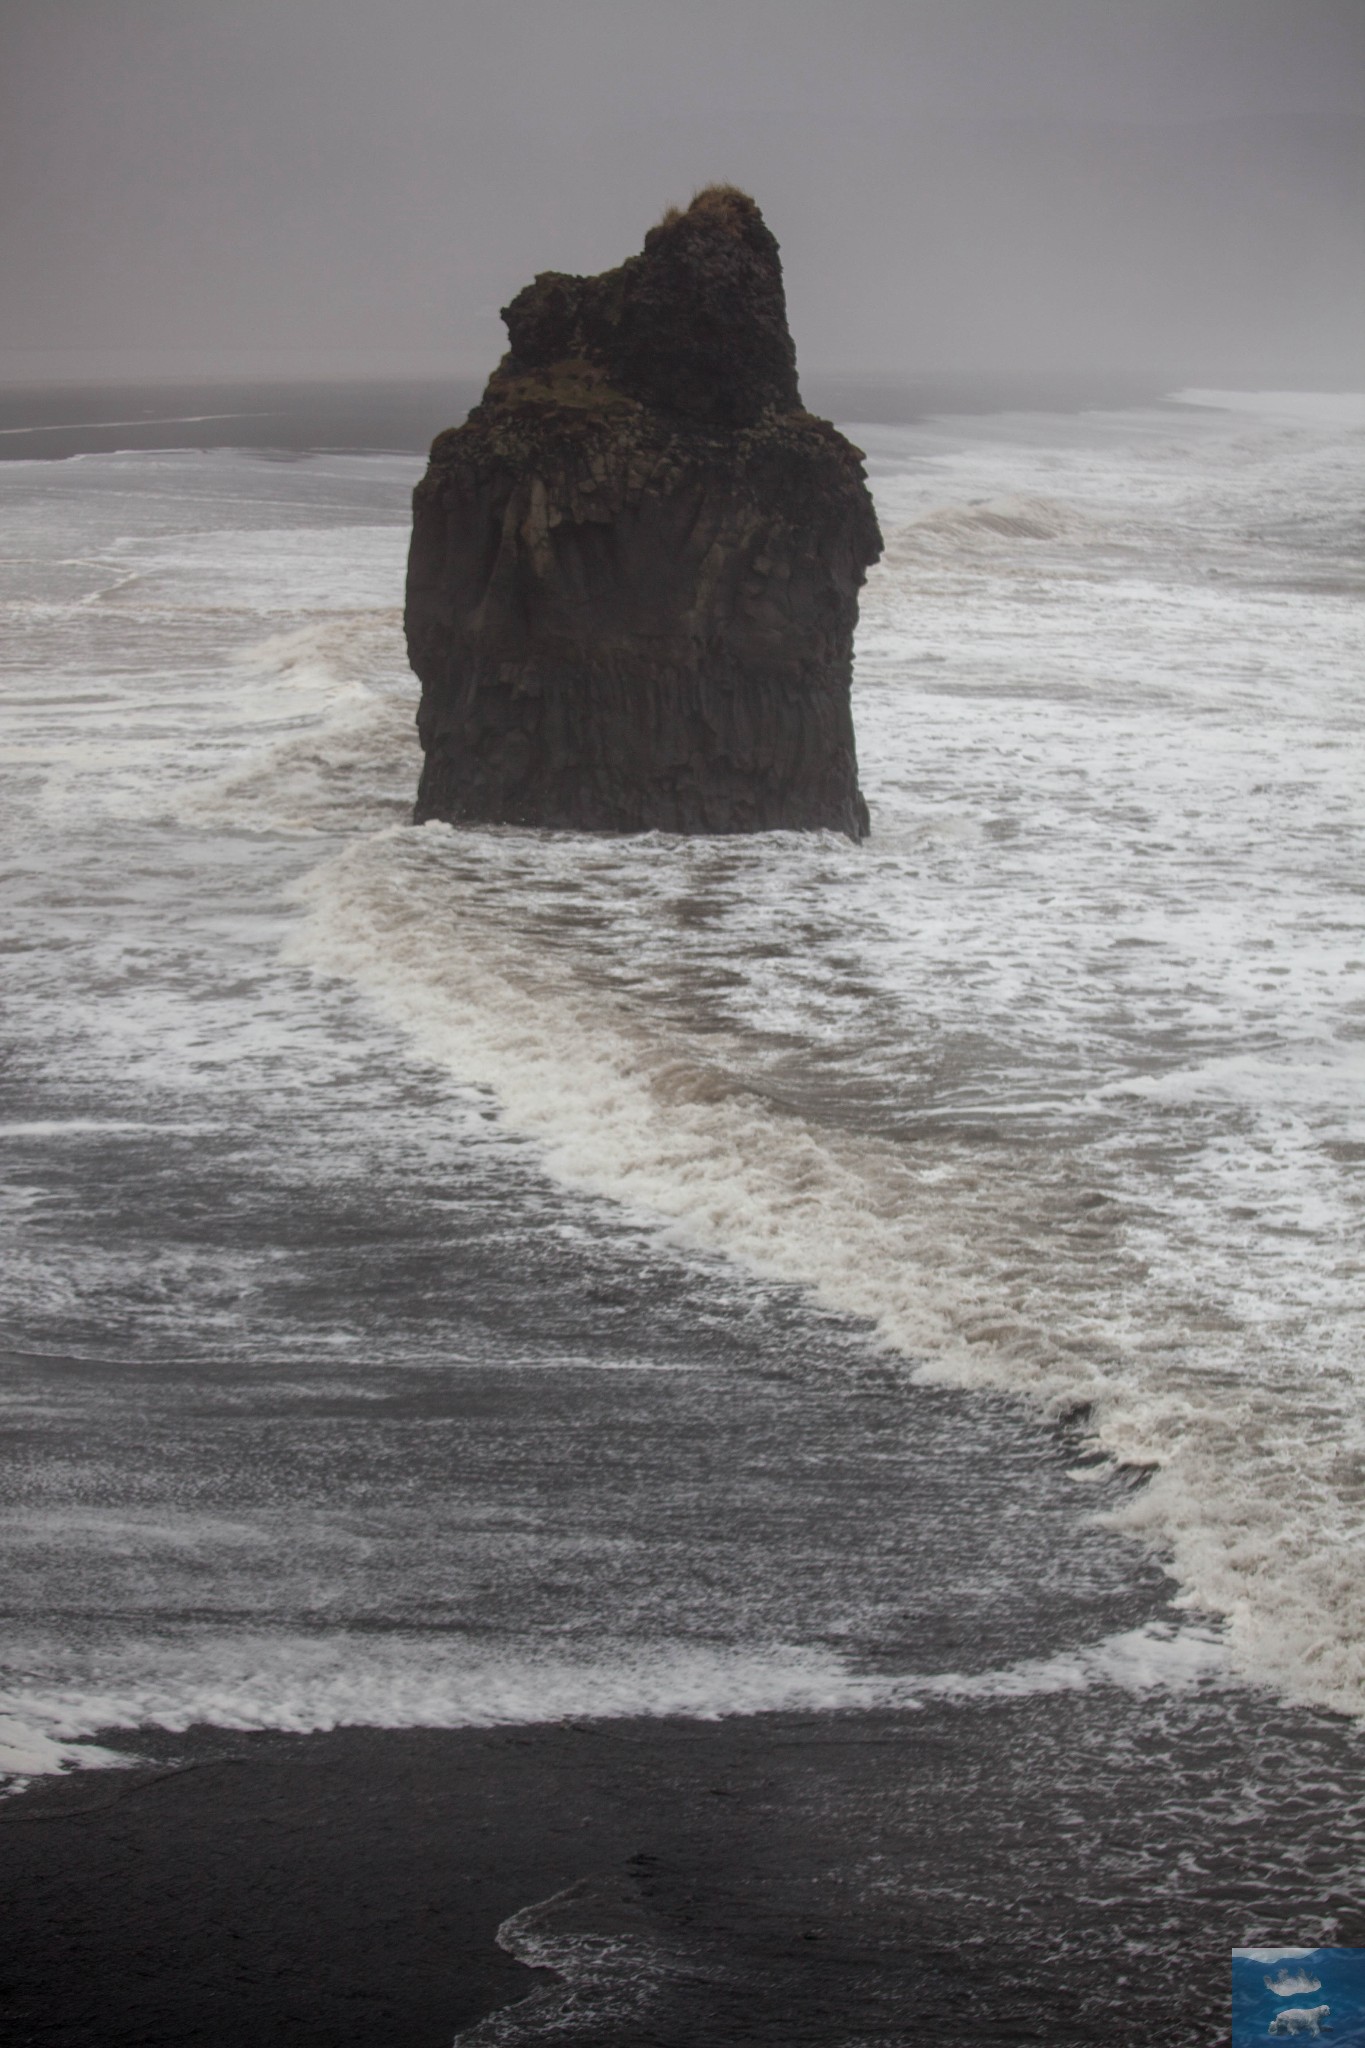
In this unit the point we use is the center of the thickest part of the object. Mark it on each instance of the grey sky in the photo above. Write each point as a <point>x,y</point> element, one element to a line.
<point>300,186</point>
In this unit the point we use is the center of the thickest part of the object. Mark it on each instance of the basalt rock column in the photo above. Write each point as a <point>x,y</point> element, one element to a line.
<point>634,570</point>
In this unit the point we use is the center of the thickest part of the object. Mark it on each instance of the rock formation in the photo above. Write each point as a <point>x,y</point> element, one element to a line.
<point>634,570</point>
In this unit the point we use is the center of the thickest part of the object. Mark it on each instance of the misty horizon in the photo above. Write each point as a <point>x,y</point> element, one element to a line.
<point>318,193</point>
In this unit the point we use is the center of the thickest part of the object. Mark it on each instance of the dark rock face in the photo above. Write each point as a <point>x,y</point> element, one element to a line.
<point>634,570</point>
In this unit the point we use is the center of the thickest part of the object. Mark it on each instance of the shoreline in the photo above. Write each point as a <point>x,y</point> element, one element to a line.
<point>290,418</point>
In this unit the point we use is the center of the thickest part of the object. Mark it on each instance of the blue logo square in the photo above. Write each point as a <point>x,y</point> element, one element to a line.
<point>1298,1994</point>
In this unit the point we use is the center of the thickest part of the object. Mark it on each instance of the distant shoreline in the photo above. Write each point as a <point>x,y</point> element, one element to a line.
<point>371,417</point>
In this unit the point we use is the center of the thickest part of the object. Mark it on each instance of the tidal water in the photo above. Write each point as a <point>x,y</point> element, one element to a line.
<point>470,1277</point>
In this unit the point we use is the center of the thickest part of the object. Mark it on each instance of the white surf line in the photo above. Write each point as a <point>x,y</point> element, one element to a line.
<point>331,1683</point>
<point>174,419</point>
<point>83,1126</point>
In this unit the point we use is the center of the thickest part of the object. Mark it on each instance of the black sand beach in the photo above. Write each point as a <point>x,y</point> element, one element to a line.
<point>860,1877</point>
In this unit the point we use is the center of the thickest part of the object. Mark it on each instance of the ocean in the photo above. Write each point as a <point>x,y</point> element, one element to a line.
<point>485,1277</point>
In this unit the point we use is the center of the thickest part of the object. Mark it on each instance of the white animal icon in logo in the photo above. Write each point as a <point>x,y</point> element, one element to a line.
<point>1299,2019</point>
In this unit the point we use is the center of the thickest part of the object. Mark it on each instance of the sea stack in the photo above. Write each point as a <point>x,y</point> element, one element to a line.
<point>634,571</point>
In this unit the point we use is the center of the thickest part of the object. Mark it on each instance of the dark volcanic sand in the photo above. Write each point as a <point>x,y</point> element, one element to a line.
<point>861,1877</point>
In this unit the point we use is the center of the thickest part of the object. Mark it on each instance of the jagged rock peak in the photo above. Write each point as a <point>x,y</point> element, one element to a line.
<point>634,570</point>
<point>696,324</point>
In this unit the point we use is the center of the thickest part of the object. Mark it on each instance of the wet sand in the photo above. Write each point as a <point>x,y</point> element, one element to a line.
<point>783,1879</point>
